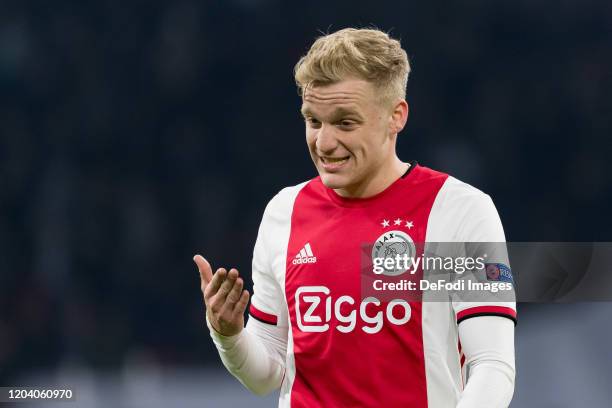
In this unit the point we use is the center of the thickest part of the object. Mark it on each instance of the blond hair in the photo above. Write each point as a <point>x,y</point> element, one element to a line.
<point>368,54</point>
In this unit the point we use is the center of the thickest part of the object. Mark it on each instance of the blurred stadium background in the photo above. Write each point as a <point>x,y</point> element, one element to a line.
<point>135,134</point>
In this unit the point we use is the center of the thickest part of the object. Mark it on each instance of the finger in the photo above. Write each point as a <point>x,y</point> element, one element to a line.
<point>227,285</point>
<point>204,268</point>
<point>241,305</point>
<point>234,295</point>
<point>213,287</point>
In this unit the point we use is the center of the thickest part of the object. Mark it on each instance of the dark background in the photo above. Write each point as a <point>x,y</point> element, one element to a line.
<point>135,134</point>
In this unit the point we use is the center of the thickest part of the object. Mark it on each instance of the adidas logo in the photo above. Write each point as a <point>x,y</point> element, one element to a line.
<point>305,256</point>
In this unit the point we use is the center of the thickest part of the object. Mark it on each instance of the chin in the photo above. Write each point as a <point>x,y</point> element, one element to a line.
<point>334,181</point>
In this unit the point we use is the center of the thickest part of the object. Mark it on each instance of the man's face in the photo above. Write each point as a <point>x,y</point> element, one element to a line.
<point>349,134</point>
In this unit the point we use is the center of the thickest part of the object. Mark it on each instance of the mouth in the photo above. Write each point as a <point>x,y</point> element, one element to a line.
<point>333,163</point>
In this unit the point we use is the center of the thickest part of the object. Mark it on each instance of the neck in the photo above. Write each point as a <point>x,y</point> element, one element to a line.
<point>383,178</point>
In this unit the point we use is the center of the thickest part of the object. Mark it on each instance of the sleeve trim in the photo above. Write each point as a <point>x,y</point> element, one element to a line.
<point>263,316</point>
<point>502,311</point>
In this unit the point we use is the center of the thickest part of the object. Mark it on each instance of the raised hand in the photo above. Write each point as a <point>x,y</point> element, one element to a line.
<point>224,297</point>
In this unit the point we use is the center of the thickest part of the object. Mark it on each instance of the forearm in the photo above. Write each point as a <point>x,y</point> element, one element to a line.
<point>491,385</point>
<point>255,356</point>
<point>488,343</point>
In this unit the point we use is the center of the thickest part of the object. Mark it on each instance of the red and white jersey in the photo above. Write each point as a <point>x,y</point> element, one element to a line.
<point>347,351</point>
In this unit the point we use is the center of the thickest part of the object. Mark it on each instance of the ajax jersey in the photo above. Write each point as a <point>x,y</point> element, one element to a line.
<point>348,346</point>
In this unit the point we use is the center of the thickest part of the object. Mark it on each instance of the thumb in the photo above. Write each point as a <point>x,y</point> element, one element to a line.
<point>204,268</point>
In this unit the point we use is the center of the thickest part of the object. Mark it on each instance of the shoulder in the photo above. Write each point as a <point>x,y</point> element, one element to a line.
<point>463,212</point>
<point>281,205</point>
<point>455,192</point>
<point>448,190</point>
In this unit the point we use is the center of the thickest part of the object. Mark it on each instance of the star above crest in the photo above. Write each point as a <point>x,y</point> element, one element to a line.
<point>397,222</point>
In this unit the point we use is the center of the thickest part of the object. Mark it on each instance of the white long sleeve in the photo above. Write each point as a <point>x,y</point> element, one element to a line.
<point>488,345</point>
<point>255,356</point>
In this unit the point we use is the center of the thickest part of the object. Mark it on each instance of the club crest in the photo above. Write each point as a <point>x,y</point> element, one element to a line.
<point>390,245</point>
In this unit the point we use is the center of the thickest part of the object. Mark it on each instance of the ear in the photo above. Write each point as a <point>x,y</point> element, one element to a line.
<point>399,117</point>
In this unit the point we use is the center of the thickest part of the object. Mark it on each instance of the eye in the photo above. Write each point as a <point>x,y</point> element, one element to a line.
<point>347,123</point>
<point>312,122</point>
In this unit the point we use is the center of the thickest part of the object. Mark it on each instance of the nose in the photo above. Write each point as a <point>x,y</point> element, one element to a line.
<point>326,140</point>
